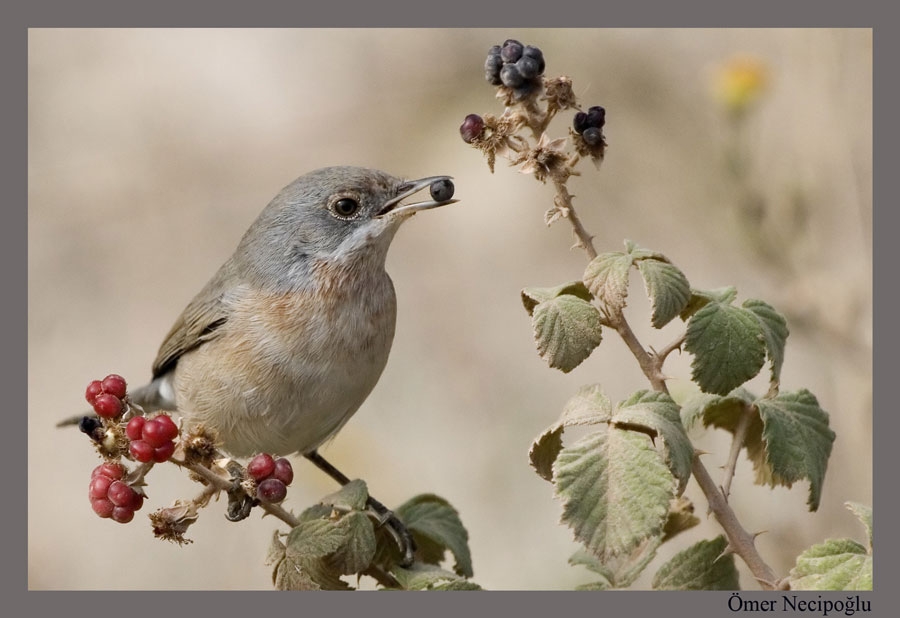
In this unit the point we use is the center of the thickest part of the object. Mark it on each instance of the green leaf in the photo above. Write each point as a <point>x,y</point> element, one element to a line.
<point>566,331</point>
<point>798,440</point>
<point>864,514</point>
<point>703,566</point>
<point>725,413</point>
<point>305,565</point>
<point>532,297</point>
<point>721,412</point>
<point>607,279</point>
<point>836,564</point>
<point>436,527</point>
<point>589,406</point>
<point>615,490</point>
<point>728,347</point>
<point>618,571</point>
<point>429,577</point>
<point>352,496</point>
<point>667,288</point>
<point>357,552</point>
<point>775,330</point>
<point>700,298</point>
<point>659,415</point>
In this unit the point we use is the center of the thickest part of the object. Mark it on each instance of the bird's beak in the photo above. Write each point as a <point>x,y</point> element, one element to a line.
<point>393,207</point>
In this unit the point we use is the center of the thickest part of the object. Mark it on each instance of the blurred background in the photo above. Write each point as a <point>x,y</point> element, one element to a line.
<point>743,155</point>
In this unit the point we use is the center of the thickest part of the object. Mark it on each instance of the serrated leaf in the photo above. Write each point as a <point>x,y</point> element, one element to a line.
<point>314,538</point>
<point>716,410</point>
<point>589,406</point>
<point>357,552</point>
<point>566,330</point>
<point>423,577</point>
<point>699,567</point>
<point>680,518</point>
<point>275,555</point>
<point>615,490</point>
<point>798,440</point>
<point>667,288</point>
<point>531,297</point>
<point>606,277</point>
<point>289,576</point>
<point>619,571</point>
<point>352,496</point>
<point>701,298</point>
<point>728,347</point>
<point>434,524</point>
<point>658,412</point>
<point>864,514</point>
<point>775,330</point>
<point>836,564</point>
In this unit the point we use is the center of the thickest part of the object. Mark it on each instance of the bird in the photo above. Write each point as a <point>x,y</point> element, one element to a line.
<point>289,337</point>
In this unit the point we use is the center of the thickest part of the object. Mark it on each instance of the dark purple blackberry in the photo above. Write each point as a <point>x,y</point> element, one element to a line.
<point>592,136</point>
<point>471,128</point>
<point>510,76</point>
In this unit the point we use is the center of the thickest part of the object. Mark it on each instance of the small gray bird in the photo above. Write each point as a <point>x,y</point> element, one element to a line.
<point>290,336</point>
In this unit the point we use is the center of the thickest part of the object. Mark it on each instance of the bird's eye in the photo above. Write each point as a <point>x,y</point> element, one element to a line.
<point>345,207</point>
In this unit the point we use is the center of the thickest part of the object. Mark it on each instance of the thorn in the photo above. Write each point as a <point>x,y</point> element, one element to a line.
<point>756,534</point>
<point>726,552</point>
<point>699,451</point>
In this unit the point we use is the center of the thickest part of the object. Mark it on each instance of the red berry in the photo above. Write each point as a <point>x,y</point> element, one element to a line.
<point>271,490</point>
<point>134,427</point>
<point>122,514</point>
<point>107,405</point>
<point>284,472</point>
<point>157,432</point>
<point>162,453</point>
<point>120,494</point>
<point>141,451</point>
<point>93,389</point>
<point>261,467</point>
<point>137,501</point>
<point>115,471</point>
<point>102,507</point>
<point>115,385</point>
<point>167,426</point>
<point>99,487</point>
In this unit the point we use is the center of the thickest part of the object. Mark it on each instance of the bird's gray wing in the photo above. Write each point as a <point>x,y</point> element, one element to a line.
<point>199,322</point>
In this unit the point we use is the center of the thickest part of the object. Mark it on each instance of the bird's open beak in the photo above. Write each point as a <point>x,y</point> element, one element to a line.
<point>441,186</point>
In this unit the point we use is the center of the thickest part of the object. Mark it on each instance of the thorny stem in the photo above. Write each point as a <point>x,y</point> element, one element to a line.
<point>564,201</point>
<point>737,442</point>
<point>741,541</point>
<point>222,484</point>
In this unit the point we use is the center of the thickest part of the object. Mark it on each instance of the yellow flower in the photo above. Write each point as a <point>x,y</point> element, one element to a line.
<point>740,82</point>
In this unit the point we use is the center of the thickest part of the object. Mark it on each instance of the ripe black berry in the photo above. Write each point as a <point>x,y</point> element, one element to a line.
<point>510,76</point>
<point>511,50</point>
<point>580,123</point>
<point>528,67</point>
<point>533,52</point>
<point>592,136</point>
<point>441,190</point>
<point>596,116</point>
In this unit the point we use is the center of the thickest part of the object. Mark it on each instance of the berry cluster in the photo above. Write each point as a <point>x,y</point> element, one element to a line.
<point>151,439</point>
<point>516,66</point>
<point>107,396</point>
<point>110,496</point>
<point>272,477</point>
<point>589,125</point>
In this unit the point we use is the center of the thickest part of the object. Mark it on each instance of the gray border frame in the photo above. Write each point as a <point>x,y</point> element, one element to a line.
<point>708,13</point>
